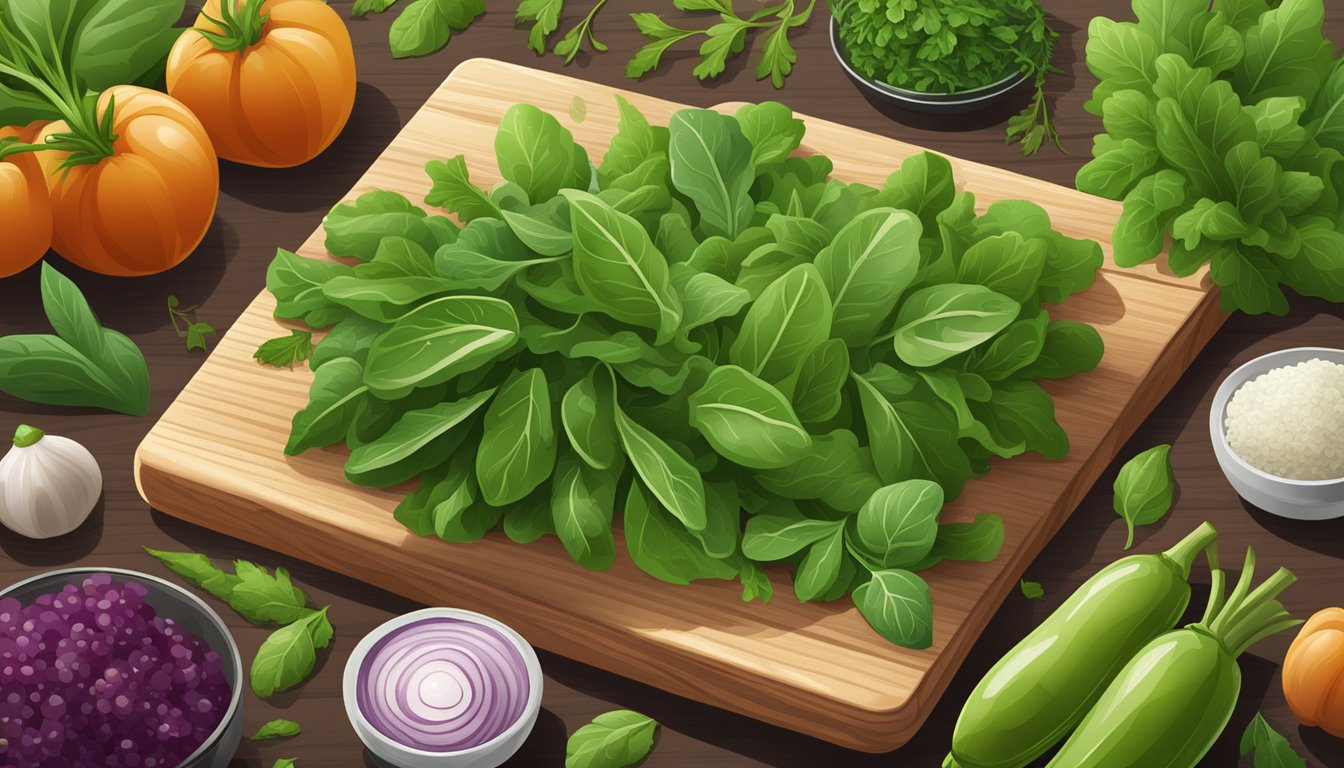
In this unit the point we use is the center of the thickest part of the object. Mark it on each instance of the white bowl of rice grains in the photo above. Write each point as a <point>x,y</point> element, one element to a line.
<point>443,688</point>
<point>1277,425</point>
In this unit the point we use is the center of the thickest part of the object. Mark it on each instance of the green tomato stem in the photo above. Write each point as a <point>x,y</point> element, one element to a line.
<point>243,25</point>
<point>26,436</point>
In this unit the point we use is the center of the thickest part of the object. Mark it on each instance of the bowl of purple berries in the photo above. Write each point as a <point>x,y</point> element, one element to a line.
<point>109,668</point>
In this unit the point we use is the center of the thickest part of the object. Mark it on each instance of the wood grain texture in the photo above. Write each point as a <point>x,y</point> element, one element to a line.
<point>215,458</point>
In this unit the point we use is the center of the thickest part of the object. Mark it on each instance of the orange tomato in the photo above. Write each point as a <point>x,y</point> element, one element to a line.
<point>25,206</point>
<point>1313,672</point>
<point>145,208</point>
<point>274,103</point>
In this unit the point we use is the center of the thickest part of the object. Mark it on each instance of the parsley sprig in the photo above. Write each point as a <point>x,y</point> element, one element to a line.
<point>723,40</point>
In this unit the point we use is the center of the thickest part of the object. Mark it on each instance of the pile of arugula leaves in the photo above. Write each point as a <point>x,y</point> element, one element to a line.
<point>700,325</point>
<point>1225,131</point>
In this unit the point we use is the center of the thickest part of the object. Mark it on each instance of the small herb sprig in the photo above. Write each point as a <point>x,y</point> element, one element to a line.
<point>186,325</point>
<point>286,351</point>
<point>544,15</point>
<point>723,40</point>
<point>287,657</point>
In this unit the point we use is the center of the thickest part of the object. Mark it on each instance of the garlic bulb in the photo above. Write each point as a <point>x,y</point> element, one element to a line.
<point>48,484</point>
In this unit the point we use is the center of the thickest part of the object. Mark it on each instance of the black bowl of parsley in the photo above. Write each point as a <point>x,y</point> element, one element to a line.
<point>949,58</point>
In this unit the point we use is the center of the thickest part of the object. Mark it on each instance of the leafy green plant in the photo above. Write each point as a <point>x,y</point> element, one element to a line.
<point>724,39</point>
<point>1144,489</point>
<point>700,324</point>
<point>613,740</point>
<point>286,351</point>
<point>277,729</point>
<point>1223,134</point>
<point>287,656</point>
<point>1031,590</point>
<point>83,364</point>
<point>284,762</point>
<point>186,326</point>
<point>946,47</point>
<point>1268,747</point>
<point>425,26</point>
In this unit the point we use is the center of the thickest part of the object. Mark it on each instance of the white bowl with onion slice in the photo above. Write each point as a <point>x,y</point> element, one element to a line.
<point>443,688</point>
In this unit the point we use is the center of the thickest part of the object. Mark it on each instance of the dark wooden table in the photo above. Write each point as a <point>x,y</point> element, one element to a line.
<point>260,210</point>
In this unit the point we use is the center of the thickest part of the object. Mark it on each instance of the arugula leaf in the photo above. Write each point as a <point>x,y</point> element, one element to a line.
<point>661,546</point>
<point>425,26</point>
<point>518,447</point>
<point>790,319</point>
<point>545,17</point>
<point>672,480</point>
<point>1031,589</point>
<point>711,164</point>
<point>277,729</point>
<point>748,421</point>
<point>284,762</point>
<point>570,45</point>
<point>1144,489</point>
<point>365,7</point>
<point>582,505</point>
<point>454,191</point>
<point>334,399</point>
<point>285,351</point>
<point>84,364</point>
<point>617,738</point>
<point>438,341</point>
<point>941,321</point>
<point>538,154</point>
<point>1267,746</point>
<point>866,268</point>
<point>198,570</point>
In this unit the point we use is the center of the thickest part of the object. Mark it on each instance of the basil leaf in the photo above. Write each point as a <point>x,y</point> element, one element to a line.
<point>277,729</point>
<point>661,546</point>
<point>672,480</point>
<point>438,341</point>
<point>425,26</point>
<point>287,656</point>
<point>790,319</point>
<point>897,605</point>
<point>419,440</point>
<point>518,447</point>
<point>1031,589</point>
<point>617,738</point>
<point>284,762</point>
<point>1144,489</point>
<point>712,165</point>
<point>582,503</point>
<point>866,268</point>
<point>618,268</point>
<point>942,321</point>
<point>748,421</point>
<point>898,524</point>
<point>538,154</point>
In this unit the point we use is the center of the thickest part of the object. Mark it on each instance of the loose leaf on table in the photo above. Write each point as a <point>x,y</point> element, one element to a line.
<point>277,729</point>
<point>1144,489</point>
<point>84,364</point>
<point>198,570</point>
<point>544,16</point>
<point>572,42</point>
<point>187,327</point>
<point>256,594</point>
<point>897,605</point>
<point>364,7</point>
<point>1268,747</point>
<point>287,657</point>
<point>612,740</point>
<point>424,26</point>
<point>1031,589</point>
<point>284,762</point>
<point>747,420</point>
<point>285,351</point>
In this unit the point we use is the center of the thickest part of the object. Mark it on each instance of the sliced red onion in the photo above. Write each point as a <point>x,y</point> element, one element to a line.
<point>443,685</point>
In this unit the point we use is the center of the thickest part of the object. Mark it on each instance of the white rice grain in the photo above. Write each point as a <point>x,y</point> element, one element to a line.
<point>1289,422</point>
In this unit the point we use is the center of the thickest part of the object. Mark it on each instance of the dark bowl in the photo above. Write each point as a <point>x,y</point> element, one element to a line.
<point>190,612</point>
<point>958,103</point>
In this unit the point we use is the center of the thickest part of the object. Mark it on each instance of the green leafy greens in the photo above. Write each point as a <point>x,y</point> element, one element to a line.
<point>1224,134</point>
<point>613,740</point>
<point>1268,747</point>
<point>286,658</point>
<point>703,323</point>
<point>277,729</point>
<point>1144,489</point>
<point>946,47</point>
<point>83,364</point>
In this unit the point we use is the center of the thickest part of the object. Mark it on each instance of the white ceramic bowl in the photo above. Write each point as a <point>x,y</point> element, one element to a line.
<point>488,755</point>
<point>1297,499</point>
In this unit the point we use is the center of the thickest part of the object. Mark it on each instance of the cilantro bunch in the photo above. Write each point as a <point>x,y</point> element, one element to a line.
<point>948,46</point>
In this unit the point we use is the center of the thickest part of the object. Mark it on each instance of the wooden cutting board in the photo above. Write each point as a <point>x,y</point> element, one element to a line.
<point>216,460</point>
